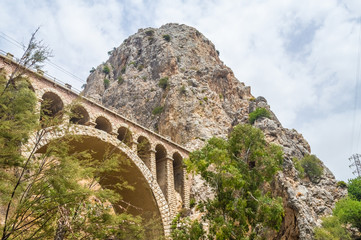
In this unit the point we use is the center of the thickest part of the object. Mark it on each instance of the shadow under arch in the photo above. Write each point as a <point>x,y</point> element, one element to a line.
<point>147,199</point>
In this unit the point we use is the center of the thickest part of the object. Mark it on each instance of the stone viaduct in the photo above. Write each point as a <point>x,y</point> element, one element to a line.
<point>156,170</point>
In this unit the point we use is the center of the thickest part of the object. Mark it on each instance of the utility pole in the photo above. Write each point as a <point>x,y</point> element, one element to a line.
<point>355,162</point>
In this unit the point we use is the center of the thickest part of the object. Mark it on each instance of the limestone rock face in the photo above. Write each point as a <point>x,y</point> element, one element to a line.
<point>172,81</point>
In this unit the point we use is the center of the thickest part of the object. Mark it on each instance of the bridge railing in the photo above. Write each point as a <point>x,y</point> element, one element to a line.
<point>40,72</point>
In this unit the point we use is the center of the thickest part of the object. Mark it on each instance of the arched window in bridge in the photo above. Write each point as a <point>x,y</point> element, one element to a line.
<point>125,135</point>
<point>143,150</point>
<point>51,109</point>
<point>178,174</point>
<point>161,165</point>
<point>103,124</point>
<point>79,115</point>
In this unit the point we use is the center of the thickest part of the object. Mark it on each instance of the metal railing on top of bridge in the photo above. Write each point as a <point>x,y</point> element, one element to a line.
<point>41,72</point>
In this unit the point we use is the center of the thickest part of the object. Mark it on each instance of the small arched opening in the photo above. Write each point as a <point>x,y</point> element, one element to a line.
<point>103,124</point>
<point>178,174</point>
<point>125,135</point>
<point>143,150</point>
<point>79,115</point>
<point>161,165</point>
<point>51,110</point>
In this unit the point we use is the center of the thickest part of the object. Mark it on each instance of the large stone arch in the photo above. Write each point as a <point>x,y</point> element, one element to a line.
<point>101,136</point>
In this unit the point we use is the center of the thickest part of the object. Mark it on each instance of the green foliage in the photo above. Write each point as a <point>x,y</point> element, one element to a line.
<point>140,67</point>
<point>205,99</point>
<point>120,79</point>
<point>192,203</point>
<point>157,110</point>
<point>123,69</point>
<point>312,166</point>
<point>163,82</point>
<point>182,90</point>
<point>258,113</point>
<point>331,230</point>
<point>106,83</point>
<point>92,70</point>
<point>166,37</point>
<point>349,211</point>
<point>237,169</point>
<point>185,229</point>
<point>342,184</point>
<point>354,188</point>
<point>106,69</point>
<point>149,33</point>
<point>299,168</point>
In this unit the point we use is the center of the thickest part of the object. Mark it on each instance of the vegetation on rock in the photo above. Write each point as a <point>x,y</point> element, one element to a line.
<point>312,167</point>
<point>106,83</point>
<point>163,82</point>
<point>106,69</point>
<point>258,113</point>
<point>157,110</point>
<point>166,37</point>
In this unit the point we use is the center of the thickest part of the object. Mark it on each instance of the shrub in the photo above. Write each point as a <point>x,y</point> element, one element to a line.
<point>120,79</point>
<point>182,90</point>
<point>140,67</point>
<point>123,70</point>
<point>354,188</point>
<point>166,37</point>
<point>312,166</point>
<point>158,110</point>
<point>192,203</point>
<point>106,69</point>
<point>299,168</point>
<point>258,113</point>
<point>342,184</point>
<point>205,99</point>
<point>252,99</point>
<point>106,83</point>
<point>163,82</point>
<point>331,230</point>
<point>92,70</point>
<point>149,33</point>
<point>349,211</point>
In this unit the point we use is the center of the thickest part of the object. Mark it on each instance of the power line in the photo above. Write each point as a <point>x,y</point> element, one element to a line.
<point>358,133</point>
<point>20,45</point>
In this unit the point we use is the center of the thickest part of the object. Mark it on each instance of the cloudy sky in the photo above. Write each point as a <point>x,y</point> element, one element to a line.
<point>303,56</point>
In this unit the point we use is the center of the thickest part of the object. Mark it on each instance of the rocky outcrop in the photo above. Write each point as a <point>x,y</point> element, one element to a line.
<point>172,81</point>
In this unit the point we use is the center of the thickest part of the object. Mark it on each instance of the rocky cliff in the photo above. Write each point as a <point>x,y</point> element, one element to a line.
<point>172,81</point>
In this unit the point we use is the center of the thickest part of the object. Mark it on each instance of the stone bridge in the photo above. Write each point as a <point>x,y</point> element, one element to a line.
<point>156,169</point>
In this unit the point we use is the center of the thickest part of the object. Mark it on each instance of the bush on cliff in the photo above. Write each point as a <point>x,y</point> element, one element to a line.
<point>258,113</point>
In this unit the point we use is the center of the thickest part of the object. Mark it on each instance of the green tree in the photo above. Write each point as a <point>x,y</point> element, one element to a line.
<point>331,230</point>
<point>51,194</point>
<point>354,188</point>
<point>312,167</point>
<point>349,211</point>
<point>238,169</point>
